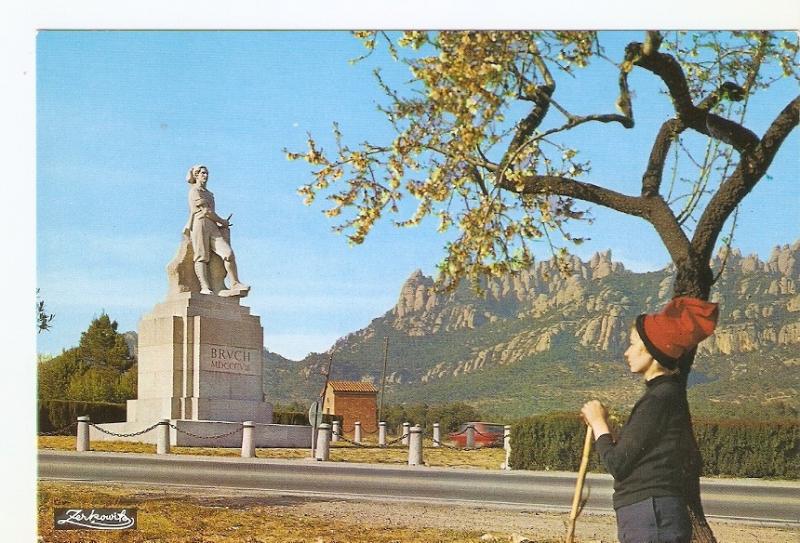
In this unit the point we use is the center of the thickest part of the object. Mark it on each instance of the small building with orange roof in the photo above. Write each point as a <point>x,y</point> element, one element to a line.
<point>353,401</point>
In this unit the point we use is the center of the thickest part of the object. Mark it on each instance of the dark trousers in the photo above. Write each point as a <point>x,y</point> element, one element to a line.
<point>655,520</point>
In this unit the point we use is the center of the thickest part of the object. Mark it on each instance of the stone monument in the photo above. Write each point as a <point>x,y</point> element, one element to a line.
<point>200,352</point>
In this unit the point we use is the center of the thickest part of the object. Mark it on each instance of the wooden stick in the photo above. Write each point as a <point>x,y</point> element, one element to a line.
<point>576,499</point>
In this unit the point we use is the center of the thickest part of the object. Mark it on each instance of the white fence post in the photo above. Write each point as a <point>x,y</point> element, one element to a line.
<point>415,447</point>
<point>357,432</point>
<point>162,437</point>
<point>406,426</point>
<point>335,434</point>
<point>507,445</point>
<point>382,433</point>
<point>323,442</point>
<point>82,442</point>
<point>470,437</point>
<point>437,435</point>
<point>248,439</point>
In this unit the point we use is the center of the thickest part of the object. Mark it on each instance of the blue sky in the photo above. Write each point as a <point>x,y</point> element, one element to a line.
<point>122,115</point>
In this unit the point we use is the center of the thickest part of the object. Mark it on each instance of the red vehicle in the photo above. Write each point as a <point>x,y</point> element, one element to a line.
<point>487,434</point>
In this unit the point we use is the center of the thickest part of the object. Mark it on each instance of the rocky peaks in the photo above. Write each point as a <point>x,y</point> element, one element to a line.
<point>784,260</point>
<point>602,265</point>
<point>588,311</point>
<point>417,294</point>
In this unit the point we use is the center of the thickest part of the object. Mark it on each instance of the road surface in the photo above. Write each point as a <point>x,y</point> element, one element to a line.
<point>733,499</point>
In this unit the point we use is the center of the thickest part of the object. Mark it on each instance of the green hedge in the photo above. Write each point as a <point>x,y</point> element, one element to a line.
<point>750,448</point>
<point>58,414</point>
<point>736,448</point>
<point>300,419</point>
<point>549,442</point>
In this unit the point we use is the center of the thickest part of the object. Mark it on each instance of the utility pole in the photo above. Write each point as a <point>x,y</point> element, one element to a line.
<point>325,388</point>
<point>320,405</point>
<point>383,379</point>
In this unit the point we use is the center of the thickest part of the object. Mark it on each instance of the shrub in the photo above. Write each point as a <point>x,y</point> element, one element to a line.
<point>549,442</point>
<point>749,448</point>
<point>58,414</point>
<point>737,448</point>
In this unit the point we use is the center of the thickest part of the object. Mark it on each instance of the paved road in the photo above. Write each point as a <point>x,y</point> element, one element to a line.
<point>762,501</point>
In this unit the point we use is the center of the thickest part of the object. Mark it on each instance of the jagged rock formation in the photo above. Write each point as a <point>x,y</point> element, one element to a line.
<point>421,310</point>
<point>571,323</point>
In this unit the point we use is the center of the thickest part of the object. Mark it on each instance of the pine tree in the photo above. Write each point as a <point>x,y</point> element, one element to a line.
<point>100,369</point>
<point>102,346</point>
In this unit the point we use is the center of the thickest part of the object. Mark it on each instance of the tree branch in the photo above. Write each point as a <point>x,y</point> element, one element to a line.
<point>748,173</point>
<point>540,63</point>
<point>697,118</point>
<point>528,125</point>
<point>652,42</point>
<point>651,180</point>
<point>564,186</point>
<point>728,90</point>
<point>477,178</point>
<point>486,164</point>
<point>653,209</point>
<point>624,103</point>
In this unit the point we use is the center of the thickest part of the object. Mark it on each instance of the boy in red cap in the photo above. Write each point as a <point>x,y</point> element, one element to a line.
<point>649,458</point>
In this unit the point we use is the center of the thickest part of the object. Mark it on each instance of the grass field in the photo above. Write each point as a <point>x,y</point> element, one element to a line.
<point>174,518</point>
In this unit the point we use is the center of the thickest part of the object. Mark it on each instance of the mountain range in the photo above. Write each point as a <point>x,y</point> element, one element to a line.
<point>542,341</point>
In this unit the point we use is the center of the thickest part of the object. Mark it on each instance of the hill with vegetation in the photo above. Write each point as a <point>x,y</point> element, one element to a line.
<point>543,341</point>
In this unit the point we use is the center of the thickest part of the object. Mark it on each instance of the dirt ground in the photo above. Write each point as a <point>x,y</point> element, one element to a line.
<point>505,523</point>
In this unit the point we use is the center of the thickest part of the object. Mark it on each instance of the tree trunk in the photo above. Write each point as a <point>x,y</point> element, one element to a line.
<point>693,278</point>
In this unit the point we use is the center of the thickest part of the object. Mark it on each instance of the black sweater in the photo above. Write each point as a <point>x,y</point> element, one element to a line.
<point>652,453</point>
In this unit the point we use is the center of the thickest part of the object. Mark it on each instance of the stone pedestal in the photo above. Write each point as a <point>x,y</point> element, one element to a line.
<point>200,358</point>
<point>200,366</point>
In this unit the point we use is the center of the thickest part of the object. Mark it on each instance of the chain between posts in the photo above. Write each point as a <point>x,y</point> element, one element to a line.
<point>496,440</point>
<point>392,442</point>
<point>362,445</point>
<point>445,445</point>
<point>365,446</point>
<point>218,436</point>
<point>59,431</point>
<point>399,439</point>
<point>140,432</point>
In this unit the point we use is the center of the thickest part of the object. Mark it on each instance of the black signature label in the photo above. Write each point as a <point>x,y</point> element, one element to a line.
<point>95,519</point>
